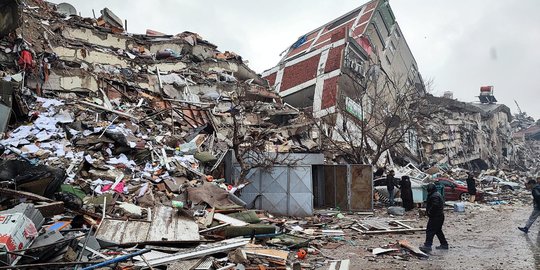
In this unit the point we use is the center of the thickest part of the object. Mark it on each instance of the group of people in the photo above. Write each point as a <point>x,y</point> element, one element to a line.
<point>435,205</point>
<point>434,208</point>
<point>404,184</point>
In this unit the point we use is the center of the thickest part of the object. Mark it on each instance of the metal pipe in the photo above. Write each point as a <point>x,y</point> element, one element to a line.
<point>117,259</point>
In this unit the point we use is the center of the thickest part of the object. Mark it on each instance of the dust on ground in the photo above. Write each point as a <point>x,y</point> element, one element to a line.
<point>484,237</point>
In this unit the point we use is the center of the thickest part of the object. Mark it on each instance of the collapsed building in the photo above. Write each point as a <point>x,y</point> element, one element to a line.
<point>474,136</point>
<point>526,144</point>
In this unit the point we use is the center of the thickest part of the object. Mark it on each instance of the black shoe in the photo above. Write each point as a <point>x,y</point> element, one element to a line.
<point>524,229</point>
<point>425,249</point>
<point>445,247</point>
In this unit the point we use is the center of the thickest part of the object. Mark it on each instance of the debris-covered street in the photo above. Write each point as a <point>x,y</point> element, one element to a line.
<point>122,150</point>
<point>485,237</point>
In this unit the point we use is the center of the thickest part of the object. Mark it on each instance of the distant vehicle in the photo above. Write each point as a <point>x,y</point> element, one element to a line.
<point>455,190</point>
<point>503,184</point>
<point>379,185</point>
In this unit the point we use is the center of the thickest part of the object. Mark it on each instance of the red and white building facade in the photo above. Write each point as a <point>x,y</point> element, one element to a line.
<point>310,73</point>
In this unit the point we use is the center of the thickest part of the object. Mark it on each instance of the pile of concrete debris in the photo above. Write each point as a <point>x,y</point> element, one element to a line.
<point>526,139</point>
<point>118,145</point>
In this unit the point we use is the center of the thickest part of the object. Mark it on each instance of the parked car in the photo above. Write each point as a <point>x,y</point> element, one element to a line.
<point>499,182</point>
<point>455,190</point>
<point>379,185</point>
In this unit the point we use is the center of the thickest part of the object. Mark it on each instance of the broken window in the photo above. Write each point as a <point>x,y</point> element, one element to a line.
<point>378,33</point>
<point>342,20</point>
<point>354,62</point>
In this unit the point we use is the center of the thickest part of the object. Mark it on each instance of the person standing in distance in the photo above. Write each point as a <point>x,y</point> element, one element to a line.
<point>471,186</point>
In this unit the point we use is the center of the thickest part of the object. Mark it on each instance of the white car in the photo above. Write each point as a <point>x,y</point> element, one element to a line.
<point>499,182</point>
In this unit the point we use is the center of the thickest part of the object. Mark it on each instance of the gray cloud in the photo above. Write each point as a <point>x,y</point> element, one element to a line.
<point>461,44</point>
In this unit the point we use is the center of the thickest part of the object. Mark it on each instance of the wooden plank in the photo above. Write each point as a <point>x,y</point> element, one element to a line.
<point>414,249</point>
<point>274,254</point>
<point>361,187</point>
<point>394,231</point>
<point>111,230</point>
<point>226,219</point>
<point>402,224</point>
<point>140,227</point>
<point>168,225</point>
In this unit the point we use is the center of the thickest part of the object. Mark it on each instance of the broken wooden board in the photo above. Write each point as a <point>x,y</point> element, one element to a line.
<point>166,225</point>
<point>198,252</point>
<point>416,250</point>
<point>226,219</point>
<point>387,226</point>
<point>339,265</point>
<point>379,251</point>
<point>274,255</point>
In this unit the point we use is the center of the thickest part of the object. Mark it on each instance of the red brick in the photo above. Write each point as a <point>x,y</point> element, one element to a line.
<point>371,5</point>
<point>338,35</point>
<point>365,17</point>
<point>300,72</point>
<point>359,30</point>
<point>334,59</point>
<point>329,93</point>
<point>271,78</point>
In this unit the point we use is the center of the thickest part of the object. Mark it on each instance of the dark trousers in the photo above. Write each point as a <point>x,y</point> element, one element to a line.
<point>434,227</point>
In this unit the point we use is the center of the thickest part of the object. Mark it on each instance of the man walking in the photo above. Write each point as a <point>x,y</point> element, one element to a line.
<point>435,213</point>
<point>471,186</point>
<point>390,184</point>
<point>534,186</point>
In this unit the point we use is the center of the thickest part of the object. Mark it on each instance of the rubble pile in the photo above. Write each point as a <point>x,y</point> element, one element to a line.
<point>120,140</point>
<point>471,135</point>
<point>526,144</point>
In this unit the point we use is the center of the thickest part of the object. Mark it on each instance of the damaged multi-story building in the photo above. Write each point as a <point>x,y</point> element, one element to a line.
<point>472,135</point>
<point>526,144</point>
<point>358,75</point>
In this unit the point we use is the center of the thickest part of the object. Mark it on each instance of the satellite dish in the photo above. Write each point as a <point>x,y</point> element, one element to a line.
<point>66,9</point>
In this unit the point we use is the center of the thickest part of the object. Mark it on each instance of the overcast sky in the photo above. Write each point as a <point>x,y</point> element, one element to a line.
<point>460,44</point>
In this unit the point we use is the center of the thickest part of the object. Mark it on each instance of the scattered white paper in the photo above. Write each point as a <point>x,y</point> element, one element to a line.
<point>122,159</point>
<point>48,102</point>
<point>30,149</point>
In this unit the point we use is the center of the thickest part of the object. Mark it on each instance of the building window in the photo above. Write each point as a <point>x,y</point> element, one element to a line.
<point>378,33</point>
<point>384,22</point>
<point>392,46</point>
<point>397,34</point>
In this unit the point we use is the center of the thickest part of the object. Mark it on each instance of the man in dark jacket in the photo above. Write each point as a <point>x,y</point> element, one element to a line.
<point>390,184</point>
<point>435,213</point>
<point>471,186</point>
<point>534,186</point>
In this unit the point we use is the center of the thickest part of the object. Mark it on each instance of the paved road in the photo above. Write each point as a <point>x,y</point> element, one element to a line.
<point>484,237</point>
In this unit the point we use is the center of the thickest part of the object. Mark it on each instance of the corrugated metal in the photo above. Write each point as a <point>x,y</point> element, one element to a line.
<point>283,190</point>
<point>166,225</point>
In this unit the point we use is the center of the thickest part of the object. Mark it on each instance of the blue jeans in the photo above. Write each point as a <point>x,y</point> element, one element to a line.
<point>391,196</point>
<point>534,215</point>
